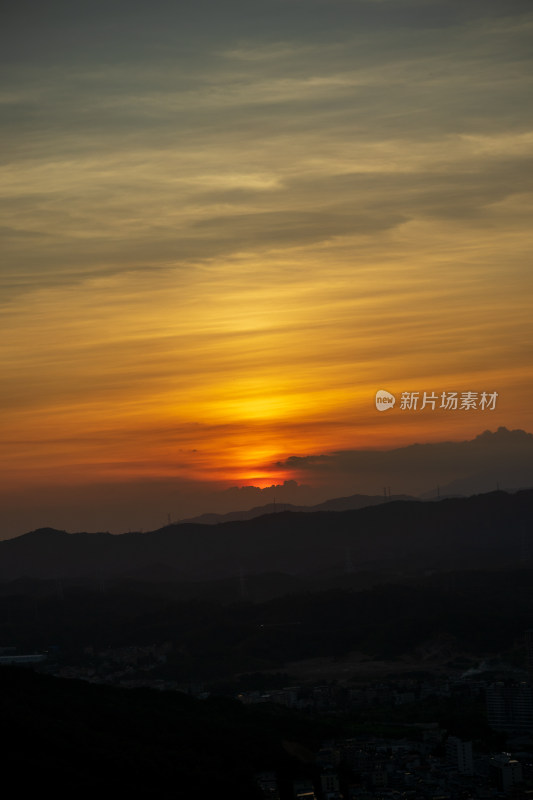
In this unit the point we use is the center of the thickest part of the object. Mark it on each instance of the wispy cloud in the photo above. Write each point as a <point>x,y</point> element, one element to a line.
<point>244,217</point>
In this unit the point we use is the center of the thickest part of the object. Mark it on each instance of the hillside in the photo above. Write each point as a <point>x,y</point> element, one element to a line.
<point>478,532</point>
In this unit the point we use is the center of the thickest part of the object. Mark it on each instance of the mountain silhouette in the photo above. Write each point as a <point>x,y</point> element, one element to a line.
<point>335,504</point>
<point>484,531</point>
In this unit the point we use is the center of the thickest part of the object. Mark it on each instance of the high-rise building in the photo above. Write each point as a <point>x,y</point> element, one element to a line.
<point>459,755</point>
<point>528,636</point>
<point>510,707</point>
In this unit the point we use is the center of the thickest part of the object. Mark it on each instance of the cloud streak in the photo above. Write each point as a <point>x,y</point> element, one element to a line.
<point>243,219</point>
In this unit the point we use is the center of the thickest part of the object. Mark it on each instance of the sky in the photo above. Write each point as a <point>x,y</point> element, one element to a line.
<point>226,225</point>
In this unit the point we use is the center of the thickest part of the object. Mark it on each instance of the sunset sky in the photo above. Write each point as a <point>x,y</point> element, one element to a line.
<point>226,225</point>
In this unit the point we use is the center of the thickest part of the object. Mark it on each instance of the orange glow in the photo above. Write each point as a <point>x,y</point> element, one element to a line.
<point>248,240</point>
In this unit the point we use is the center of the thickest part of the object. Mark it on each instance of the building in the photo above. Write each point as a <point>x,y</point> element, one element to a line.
<point>506,772</point>
<point>528,638</point>
<point>510,707</point>
<point>459,755</point>
<point>23,660</point>
<point>268,784</point>
<point>329,781</point>
<point>304,790</point>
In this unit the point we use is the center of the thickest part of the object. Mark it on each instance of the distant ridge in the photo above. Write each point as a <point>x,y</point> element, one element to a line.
<point>352,502</point>
<point>489,531</point>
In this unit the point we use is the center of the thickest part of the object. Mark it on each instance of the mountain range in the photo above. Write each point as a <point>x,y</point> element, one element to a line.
<point>396,538</point>
<point>350,503</point>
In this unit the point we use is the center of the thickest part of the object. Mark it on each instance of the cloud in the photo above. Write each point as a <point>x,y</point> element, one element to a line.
<point>246,215</point>
<point>420,467</point>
